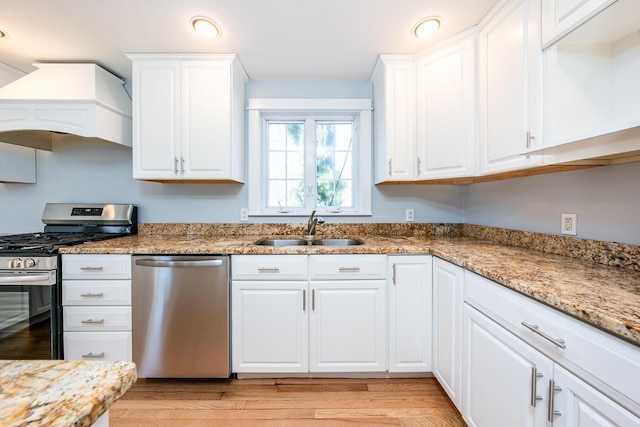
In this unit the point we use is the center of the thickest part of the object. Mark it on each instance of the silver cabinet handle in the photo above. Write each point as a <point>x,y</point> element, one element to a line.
<point>304,300</point>
<point>389,167</point>
<point>551,412</point>
<point>393,274</point>
<point>349,269</point>
<point>91,321</point>
<point>92,295</point>
<point>313,299</point>
<point>92,268</point>
<point>529,138</point>
<point>534,386</point>
<point>175,166</point>
<point>93,356</point>
<point>182,165</point>
<point>176,264</point>
<point>419,172</point>
<point>268,270</point>
<point>535,328</point>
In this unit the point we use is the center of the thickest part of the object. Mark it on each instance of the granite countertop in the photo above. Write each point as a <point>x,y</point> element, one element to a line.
<point>58,393</point>
<point>605,296</point>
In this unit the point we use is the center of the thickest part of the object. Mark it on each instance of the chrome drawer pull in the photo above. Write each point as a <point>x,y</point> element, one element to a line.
<point>92,321</point>
<point>551,411</point>
<point>93,356</point>
<point>535,328</point>
<point>90,268</point>
<point>268,270</point>
<point>91,294</point>
<point>393,276</point>
<point>349,269</point>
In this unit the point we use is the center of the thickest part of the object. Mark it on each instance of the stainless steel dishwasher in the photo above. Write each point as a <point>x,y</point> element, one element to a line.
<point>180,310</point>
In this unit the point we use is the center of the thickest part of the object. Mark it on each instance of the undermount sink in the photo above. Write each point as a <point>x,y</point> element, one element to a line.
<point>337,242</point>
<point>303,242</point>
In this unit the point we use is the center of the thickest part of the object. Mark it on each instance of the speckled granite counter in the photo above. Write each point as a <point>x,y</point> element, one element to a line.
<point>606,296</point>
<point>57,393</point>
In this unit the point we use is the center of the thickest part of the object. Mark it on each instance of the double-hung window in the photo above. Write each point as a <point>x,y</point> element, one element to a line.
<point>309,155</point>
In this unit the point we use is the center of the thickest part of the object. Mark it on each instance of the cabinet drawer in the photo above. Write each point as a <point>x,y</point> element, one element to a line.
<point>97,346</point>
<point>97,318</point>
<point>340,267</point>
<point>96,266</point>
<point>610,364</point>
<point>96,292</point>
<point>269,267</point>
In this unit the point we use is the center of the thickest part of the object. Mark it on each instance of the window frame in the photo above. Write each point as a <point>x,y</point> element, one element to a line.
<point>260,110</point>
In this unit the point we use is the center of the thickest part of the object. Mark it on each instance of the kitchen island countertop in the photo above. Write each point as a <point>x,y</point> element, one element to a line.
<point>59,393</point>
<point>604,296</point>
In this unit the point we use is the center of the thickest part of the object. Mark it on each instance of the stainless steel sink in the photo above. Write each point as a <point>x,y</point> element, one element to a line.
<point>338,242</point>
<point>282,242</point>
<point>302,242</point>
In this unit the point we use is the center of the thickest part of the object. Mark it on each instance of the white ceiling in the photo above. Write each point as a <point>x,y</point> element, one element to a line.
<point>273,38</point>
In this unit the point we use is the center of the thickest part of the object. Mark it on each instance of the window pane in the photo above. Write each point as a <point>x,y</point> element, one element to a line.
<point>285,173</point>
<point>334,164</point>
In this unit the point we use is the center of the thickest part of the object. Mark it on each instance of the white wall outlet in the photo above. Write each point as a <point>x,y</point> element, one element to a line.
<point>408,215</point>
<point>569,224</point>
<point>244,214</point>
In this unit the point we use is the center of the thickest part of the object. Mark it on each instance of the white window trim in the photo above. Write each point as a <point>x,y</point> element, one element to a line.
<point>258,107</point>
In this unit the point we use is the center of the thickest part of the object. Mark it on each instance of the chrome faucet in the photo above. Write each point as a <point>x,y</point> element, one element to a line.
<point>311,224</point>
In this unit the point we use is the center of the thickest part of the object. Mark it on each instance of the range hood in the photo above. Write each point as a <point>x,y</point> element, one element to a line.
<point>65,105</point>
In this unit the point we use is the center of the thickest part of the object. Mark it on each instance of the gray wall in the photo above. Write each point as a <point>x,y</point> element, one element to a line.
<point>606,200</point>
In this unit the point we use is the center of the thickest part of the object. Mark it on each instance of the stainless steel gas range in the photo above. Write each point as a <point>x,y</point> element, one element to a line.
<point>30,273</point>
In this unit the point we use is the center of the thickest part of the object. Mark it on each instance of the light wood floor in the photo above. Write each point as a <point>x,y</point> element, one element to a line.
<point>285,402</point>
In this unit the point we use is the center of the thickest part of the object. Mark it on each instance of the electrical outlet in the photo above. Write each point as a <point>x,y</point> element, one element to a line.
<point>244,214</point>
<point>408,215</point>
<point>569,224</point>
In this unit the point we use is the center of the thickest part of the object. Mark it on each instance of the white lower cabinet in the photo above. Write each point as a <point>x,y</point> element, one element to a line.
<point>525,364</point>
<point>448,281</point>
<point>501,376</point>
<point>269,326</point>
<point>96,299</point>
<point>410,308</point>
<point>316,313</point>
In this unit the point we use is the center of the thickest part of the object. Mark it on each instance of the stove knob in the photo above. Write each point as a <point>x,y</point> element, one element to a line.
<point>15,263</point>
<point>29,262</point>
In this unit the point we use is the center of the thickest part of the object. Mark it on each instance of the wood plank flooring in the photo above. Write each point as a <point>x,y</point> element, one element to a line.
<point>284,402</point>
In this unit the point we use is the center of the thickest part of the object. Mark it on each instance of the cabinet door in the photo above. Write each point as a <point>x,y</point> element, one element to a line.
<point>206,117</point>
<point>410,314</point>
<point>509,59</point>
<point>445,116</point>
<point>394,118</point>
<point>502,376</point>
<point>448,280</point>
<point>269,327</point>
<point>580,405</point>
<point>156,119</point>
<point>560,16</point>
<point>347,327</point>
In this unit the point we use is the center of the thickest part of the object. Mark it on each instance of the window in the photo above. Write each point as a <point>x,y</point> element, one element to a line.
<point>309,155</point>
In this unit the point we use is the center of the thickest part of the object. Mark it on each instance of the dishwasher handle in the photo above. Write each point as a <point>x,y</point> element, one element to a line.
<point>173,264</point>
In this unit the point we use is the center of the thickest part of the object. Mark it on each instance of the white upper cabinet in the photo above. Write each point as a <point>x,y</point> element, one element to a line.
<point>394,118</point>
<point>17,164</point>
<point>188,120</point>
<point>561,16</point>
<point>446,111</point>
<point>509,71</point>
<point>591,88</point>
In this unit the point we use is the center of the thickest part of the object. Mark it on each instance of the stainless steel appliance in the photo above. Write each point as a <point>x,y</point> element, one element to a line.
<point>181,321</point>
<point>30,273</point>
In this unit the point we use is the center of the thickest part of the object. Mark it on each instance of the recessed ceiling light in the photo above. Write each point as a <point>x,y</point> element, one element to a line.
<point>427,27</point>
<point>205,27</point>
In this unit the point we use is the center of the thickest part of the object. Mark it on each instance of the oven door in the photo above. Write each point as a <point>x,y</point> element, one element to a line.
<point>29,315</point>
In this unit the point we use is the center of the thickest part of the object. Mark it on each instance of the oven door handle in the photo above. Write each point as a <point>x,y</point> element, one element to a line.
<point>31,278</point>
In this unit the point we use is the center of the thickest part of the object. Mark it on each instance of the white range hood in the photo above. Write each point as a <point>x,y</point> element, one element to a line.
<point>65,105</point>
